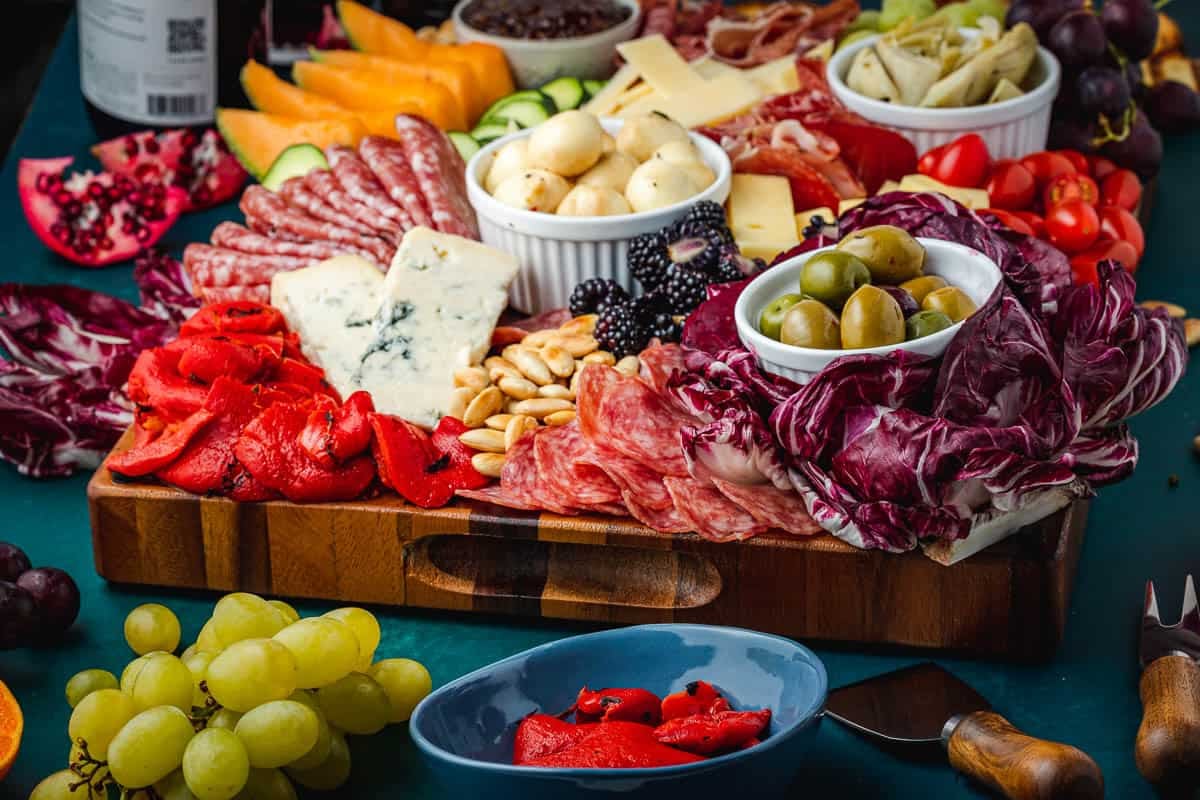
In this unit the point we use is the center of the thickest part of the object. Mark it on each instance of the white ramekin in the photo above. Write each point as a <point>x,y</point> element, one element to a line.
<point>1012,128</point>
<point>535,62</point>
<point>557,253</point>
<point>961,266</point>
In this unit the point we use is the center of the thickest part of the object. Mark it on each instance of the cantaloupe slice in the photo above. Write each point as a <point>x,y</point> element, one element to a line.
<point>488,63</point>
<point>377,33</point>
<point>458,78</point>
<point>268,92</point>
<point>257,138</point>
<point>364,90</point>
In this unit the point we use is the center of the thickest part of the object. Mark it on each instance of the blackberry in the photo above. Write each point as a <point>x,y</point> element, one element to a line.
<point>649,259</point>
<point>733,266</point>
<point>618,330</point>
<point>666,328</point>
<point>707,214</point>
<point>699,252</point>
<point>685,289</point>
<point>596,294</point>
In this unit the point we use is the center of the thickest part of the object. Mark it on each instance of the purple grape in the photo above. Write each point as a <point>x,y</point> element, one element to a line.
<point>56,597</point>
<point>1103,90</point>
<point>18,616</point>
<point>1071,133</point>
<point>1131,25</point>
<point>13,562</point>
<point>1078,40</point>
<point>1140,151</point>
<point>908,303</point>
<point>1173,107</point>
<point>1133,77</point>
<point>1040,14</point>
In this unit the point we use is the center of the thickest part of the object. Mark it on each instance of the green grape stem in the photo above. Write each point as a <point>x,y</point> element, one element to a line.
<point>146,793</point>
<point>1107,133</point>
<point>200,716</point>
<point>89,769</point>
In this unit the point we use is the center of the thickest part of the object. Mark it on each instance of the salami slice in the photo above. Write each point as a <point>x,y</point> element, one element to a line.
<point>626,415</point>
<point>232,236</point>
<point>323,183</point>
<point>497,495</point>
<point>297,194</point>
<point>659,363</point>
<point>268,213</point>
<point>518,480</point>
<point>577,483</point>
<point>255,293</point>
<point>441,174</point>
<point>630,476</point>
<point>667,520</point>
<point>360,184</point>
<point>216,267</point>
<point>771,506</point>
<point>710,513</point>
<point>385,158</point>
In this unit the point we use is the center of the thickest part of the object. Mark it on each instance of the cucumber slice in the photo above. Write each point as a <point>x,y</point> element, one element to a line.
<point>593,87</point>
<point>487,133</point>
<point>567,93</point>
<point>527,109</point>
<point>298,159</point>
<point>465,143</point>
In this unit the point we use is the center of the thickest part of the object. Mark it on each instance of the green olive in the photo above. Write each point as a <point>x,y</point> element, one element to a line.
<point>890,253</point>
<point>810,323</point>
<point>772,316</point>
<point>871,318</point>
<point>925,323</point>
<point>919,287</point>
<point>951,301</point>
<point>831,277</point>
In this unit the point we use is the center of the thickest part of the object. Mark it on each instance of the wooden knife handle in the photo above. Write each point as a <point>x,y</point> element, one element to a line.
<point>988,748</point>
<point>1168,741</point>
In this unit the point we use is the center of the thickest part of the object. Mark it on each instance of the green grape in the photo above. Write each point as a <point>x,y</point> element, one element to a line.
<point>174,787</point>
<point>97,719</point>
<point>896,11</point>
<point>190,651</point>
<point>325,650</point>
<point>149,747</point>
<point>81,684</point>
<point>406,683</point>
<point>330,773</point>
<point>197,664</point>
<point>151,627</point>
<point>207,639</point>
<point>366,630</point>
<point>215,764</point>
<point>225,718</point>
<point>267,784</point>
<point>96,771</point>
<point>356,704</point>
<point>162,680</point>
<point>290,614</point>
<point>320,750</point>
<point>130,673</point>
<point>58,787</point>
<point>865,21</point>
<point>242,615</point>
<point>251,672</point>
<point>278,732</point>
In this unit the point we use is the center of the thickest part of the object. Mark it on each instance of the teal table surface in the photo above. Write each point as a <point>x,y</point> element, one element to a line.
<point>1087,695</point>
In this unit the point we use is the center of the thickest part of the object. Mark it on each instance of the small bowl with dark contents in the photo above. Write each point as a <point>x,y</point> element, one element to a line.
<point>548,39</point>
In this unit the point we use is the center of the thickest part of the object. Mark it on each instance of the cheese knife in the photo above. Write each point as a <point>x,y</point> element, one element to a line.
<point>924,706</point>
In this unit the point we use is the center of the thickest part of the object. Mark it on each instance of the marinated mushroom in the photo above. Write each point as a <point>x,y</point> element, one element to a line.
<point>509,160</point>
<point>611,172</point>
<point>686,156</point>
<point>593,201</point>
<point>657,184</point>
<point>641,136</point>
<point>533,190</point>
<point>567,144</point>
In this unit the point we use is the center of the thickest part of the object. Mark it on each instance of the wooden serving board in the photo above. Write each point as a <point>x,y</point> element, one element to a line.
<point>1008,601</point>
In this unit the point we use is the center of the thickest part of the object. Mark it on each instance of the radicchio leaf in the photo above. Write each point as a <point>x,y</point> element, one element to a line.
<point>737,447</point>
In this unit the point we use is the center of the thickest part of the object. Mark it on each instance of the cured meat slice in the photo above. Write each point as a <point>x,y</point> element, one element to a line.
<point>630,476</point>
<point>499,496</point>
<point>255,293</point>
<point>387,160</point>
<point>232,236</point>
<point>576,483</point>
<point>518,486</point>
<point>659,363</point>
<point>267,213</point>
<point>361,185</point>
<point>625,414</point>
<point>212,267</point>
<point>323,183</point>
<point>667,520</point>
<point>710,513</point>
<point>771,506</point>
<point>441,174</point>
<point>296,193</point>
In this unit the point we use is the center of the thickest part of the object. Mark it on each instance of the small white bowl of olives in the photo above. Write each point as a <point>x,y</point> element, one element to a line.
<point>875,291</point>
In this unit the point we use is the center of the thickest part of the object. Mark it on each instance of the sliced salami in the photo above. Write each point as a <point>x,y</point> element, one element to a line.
<point>232,236</point>
<point>660,363</point>
<point>440,173</point>
<point>630,476</point>
<point>518,480</point>
<point>267,213</point>
<point>771,506</point>
<point>626,414</point>
<point>576,483</point>
<point>323,183</point>
<point>497,495</point>
<point>710,513</point>
<point>216,267</point>
<point>256,293</point>
<point>667,520</point>
<point>385,158</point>
<point>297,193</point>
<point>361,185</point>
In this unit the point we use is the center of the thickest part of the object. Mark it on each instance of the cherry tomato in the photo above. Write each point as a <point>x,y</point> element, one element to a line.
<point>1070,187</point>
<point>1033,221</point>
<point>1084,265</point>
<point>1121,188</point>
<point>1011,186</point>
<point>964,162</point>
<point>1048,166</point>
<point>1077,159</point>
<point>1072,226</point>
<point>1010,220</point>
<point>1100,167</point>
<point>1117,223</point>
<point>929,161</point>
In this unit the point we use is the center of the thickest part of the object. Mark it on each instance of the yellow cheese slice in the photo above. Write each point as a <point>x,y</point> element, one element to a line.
<point>853,202</point>
<point>888,186</point>
<point>715,100</point>
<point>776,77</point>
<point>605,100</point>
<point>708,68</point>
<point>971,198</point>
<point>822,52</point>
<point>764,249</point>
<point>660,65</point>
<point>761,215</point>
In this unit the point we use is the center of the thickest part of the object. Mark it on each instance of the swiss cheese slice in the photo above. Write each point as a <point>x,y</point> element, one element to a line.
<point>714,101</point>
<point>971,198</point>
<point>761,215</point>
<point>776,77</point>
<point>605,101</point>
<point>660,65</point>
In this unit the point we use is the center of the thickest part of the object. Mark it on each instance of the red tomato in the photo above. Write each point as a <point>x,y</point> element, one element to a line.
<point>1033,221</point>
<point>1011,186</point>
<point>1121,188</point>
<point>1100,167</point>
<point>1048,166</point>
<point>1009,219</point>
<point>1083,265</point>
<point>1078,159</point>
<point>929,161</point>
<point>964,162</point>
<point>1117,223</point>
<point>1072,226</point>
<point>1070,187</point>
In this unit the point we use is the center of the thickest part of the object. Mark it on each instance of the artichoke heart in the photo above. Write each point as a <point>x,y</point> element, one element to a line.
<point>912,74</point>
<point>1005,90</point>
<point>1015,53</point>
<point>974,81</point>
<point>867,76</point>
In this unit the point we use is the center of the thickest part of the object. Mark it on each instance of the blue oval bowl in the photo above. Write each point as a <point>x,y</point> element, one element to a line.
<point>465,729</point>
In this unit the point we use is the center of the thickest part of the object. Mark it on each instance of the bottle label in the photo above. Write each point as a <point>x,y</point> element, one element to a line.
<point>150,62</point>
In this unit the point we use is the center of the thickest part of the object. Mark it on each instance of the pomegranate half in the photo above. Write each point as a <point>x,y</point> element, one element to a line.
<point>199,164</point>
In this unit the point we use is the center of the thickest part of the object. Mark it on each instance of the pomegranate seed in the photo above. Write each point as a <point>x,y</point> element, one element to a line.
<point>63,197</point>
<point>135,197</point>
<point>43,183</point>
<point>152,146</point>
<point>95,189</point>
<point>114,193</point>
<point>131,146</point>
<point>74,208</point>
<point>127,227</point>
<point>143,234</point>
<point>106,243</point>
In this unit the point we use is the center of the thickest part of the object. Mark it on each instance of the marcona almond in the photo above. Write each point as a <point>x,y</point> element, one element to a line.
<point>471,377</point>
<point>1173,310</point>
<point>485,404</point>
<point>498,422</point>
<point>484,439</point>
<point>539,338</point>
<point>530,364</point>
<point>629,365</point>
<point>556,391</point>
<point>600,357</point>
<point>460,398</point>
<point>489,464</point>
<point>539,407</point>
<point>1191,331</point>
<point>558,360</point>
<point>560,418</point>
<point>498,367</point>
<point>517,426</point>
<point>583,324</point>
<point>577,346</point>
<point>518,388</point>
<point>574,385</point>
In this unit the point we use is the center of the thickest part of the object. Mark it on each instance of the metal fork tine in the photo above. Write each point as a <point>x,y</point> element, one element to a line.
<point>1191,610</point>
<point>1151,606</point>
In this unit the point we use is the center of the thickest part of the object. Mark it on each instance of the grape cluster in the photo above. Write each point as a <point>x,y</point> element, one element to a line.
<point>1103,106</point>
<point>262,700</point>
<point>35,604</point>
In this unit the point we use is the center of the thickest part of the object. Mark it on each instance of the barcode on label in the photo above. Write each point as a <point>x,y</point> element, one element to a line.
<point>171,105</point>
<point>186,35</point>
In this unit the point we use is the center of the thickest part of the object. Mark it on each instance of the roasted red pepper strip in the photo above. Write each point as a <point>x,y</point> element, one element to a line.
<point>698,697</point>
<point>207,465</point>
<point>459,471</point>
<point>411,463</point>
<point>238,315</point>
<point>301,373</point>
<point>156,385</point>
<point>210,357</point>
<point>614,745</point>
<point>540,735</point>
<point>706,734</point>
<point>334,435</point>
<point>160,452</point>
<point>628,705</point>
